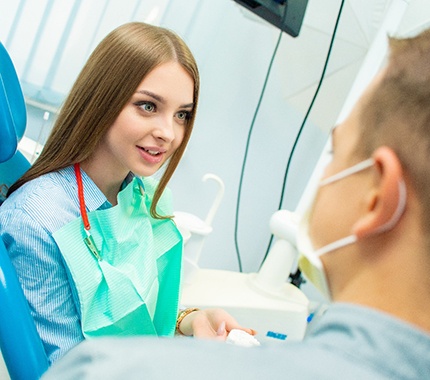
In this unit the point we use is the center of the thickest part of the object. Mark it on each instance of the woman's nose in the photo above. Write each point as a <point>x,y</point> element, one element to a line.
<point>164,129</point>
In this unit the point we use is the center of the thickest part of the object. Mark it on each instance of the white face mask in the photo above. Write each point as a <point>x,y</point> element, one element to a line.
<point>309,260</point>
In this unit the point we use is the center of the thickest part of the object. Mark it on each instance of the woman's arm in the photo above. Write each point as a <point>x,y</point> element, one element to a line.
<point>43,277</point>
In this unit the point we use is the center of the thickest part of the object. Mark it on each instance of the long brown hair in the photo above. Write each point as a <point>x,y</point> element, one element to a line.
<point>108,80</point>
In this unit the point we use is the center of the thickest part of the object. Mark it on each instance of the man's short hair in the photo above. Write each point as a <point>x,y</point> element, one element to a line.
<point>396,113</point>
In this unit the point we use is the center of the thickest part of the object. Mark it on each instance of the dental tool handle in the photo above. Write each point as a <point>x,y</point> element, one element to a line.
<point>277,266</point>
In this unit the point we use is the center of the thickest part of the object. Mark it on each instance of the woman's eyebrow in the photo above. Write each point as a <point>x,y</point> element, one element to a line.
<point>161,99</point>
<point>152,95</point>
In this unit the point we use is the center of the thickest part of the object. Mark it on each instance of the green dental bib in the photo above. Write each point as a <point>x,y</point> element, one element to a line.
<point>134,288</point>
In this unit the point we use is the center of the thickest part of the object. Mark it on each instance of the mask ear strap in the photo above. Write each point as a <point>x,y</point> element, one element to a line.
<point>348,171</point>
<point>401,205</point>
<point>351,239</point>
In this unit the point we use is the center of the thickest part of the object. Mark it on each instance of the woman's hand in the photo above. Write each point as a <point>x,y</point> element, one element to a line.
<point>210,323</point>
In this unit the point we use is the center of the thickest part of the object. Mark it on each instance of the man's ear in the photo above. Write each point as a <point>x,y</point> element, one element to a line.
<point>384,198</point>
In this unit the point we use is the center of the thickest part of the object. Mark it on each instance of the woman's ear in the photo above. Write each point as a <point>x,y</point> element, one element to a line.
<point>384,198</point>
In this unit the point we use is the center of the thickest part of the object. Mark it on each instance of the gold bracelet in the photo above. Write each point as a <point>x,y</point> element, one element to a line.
<point>182,314</point>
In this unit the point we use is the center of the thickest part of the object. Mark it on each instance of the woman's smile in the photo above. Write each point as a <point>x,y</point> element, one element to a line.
<point>152,155</point>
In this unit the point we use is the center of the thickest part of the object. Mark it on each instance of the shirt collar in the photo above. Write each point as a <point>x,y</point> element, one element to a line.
<point>94,198</point>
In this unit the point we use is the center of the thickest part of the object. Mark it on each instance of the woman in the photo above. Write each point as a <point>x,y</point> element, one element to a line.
<point>89,232</point>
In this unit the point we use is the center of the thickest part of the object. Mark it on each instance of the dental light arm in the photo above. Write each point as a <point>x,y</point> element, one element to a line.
<point>283,254</point>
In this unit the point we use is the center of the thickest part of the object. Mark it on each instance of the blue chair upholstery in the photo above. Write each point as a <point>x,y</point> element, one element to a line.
<point>13,120</point>
<point>20,343</point>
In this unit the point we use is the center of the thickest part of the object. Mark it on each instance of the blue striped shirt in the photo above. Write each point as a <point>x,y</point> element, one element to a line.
<point>28,218</point>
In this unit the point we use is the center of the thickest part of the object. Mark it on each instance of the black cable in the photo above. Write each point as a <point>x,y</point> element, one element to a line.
<point>305,120</point>
<point>236,243</point>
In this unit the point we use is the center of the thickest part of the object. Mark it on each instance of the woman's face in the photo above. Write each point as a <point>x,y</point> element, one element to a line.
<point>151,126</point>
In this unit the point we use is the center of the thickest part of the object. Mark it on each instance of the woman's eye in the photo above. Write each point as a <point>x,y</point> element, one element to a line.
<point>146,106</point>
<point>183,115</point>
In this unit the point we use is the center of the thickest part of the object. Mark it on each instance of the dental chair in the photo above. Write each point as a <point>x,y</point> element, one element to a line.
<point>20,344</point>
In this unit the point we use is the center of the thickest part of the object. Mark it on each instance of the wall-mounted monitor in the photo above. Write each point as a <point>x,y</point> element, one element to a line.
<point>287,15</point>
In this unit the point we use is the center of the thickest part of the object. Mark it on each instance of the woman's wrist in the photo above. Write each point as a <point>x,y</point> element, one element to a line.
<point>181,316</point>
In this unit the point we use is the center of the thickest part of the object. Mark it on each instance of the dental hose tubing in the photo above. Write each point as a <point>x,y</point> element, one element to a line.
<point>239,259</point>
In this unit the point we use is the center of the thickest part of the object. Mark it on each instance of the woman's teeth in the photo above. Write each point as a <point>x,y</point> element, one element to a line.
<point>151,152</point>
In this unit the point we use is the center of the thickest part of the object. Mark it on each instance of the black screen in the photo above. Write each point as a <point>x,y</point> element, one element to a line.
<point>286,15</point>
